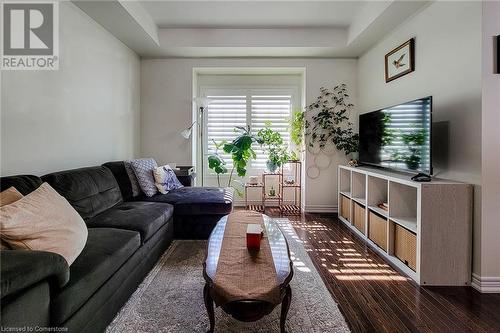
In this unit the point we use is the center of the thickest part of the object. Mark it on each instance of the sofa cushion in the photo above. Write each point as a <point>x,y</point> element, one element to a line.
<point>165,179</point>
<point>23,183</point>
<point>122,178</point>
<point>43,220</point>
<point>143,169</point>
<point>89,190</point>
<point>197,200</point>
<point>144,217</point>
<point>134,182</point>
<point>106,250</point>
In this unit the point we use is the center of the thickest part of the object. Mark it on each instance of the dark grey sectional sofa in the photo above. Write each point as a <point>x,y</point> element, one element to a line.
<point>126,237</point>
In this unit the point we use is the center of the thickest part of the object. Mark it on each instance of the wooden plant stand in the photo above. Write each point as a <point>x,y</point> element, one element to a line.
<point>293,208</point>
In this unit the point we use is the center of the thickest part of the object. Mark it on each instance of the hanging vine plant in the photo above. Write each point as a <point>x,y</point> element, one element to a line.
<point>329,123</point>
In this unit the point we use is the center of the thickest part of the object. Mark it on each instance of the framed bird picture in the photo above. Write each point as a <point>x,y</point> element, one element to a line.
<point>400,61</point>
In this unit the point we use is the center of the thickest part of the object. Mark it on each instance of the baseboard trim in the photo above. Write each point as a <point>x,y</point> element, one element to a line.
<point>486,284</point>
<point>321,209</point>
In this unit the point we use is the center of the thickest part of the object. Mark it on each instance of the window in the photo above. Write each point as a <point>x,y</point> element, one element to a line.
<point>230,107</point>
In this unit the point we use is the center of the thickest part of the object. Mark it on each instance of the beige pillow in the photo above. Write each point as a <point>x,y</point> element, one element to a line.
<point>8,196</point>
<point>44,220</point>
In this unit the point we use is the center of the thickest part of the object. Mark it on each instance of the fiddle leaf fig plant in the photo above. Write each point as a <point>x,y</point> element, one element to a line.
<point>329,121</point>
<point>216,162</point>
<point>241,152</point>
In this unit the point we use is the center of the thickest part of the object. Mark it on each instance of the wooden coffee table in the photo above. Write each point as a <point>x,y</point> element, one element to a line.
<point>250,309</point>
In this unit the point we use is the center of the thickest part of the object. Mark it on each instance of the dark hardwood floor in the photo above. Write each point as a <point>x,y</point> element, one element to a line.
<point>375,297</point>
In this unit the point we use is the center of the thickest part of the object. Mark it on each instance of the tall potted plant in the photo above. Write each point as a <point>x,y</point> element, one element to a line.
<point>241,153</point>
<point>297,125</point>
<point>329,121</point>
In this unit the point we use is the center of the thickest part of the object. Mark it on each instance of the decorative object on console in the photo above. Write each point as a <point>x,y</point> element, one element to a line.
<point>165,179</point>
<point>421,177</point>
<point>353,163</point>
<point>143,169</point>
<point>136,189</point>
<point>400,61</point>
<point>44,220</point>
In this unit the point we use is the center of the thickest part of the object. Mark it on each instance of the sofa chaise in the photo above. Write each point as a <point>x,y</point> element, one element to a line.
<point>126,237</point>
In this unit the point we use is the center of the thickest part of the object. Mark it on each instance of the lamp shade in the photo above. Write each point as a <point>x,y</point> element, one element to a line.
<point>187,133</point>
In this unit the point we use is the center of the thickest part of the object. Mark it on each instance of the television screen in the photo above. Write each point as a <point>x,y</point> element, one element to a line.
<point>398,137</point>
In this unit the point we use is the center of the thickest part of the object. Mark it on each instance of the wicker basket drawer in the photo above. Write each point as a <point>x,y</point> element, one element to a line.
<point>358,216</point>
<point>405,246</point>
<point>345,207</point>
<point>377,230</point>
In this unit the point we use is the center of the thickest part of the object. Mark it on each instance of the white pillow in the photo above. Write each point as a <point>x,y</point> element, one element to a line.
<point>165,179</point>
<point>44,220</point>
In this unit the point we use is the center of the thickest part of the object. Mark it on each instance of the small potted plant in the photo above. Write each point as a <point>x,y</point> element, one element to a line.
<point>272,142</point>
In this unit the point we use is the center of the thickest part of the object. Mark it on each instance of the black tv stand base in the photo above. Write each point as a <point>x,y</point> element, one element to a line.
<point>421,177</point>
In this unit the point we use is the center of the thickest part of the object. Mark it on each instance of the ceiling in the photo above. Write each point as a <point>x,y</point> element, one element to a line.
<point>252,14</point>
<point>242,28</point>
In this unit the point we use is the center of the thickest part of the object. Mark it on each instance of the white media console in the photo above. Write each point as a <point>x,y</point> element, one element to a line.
<point>426,230</point>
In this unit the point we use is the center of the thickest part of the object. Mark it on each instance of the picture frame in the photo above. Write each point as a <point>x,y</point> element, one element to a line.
<point>400,61</point>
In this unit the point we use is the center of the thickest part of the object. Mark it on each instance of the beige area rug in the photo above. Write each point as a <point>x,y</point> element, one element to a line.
<point>170,299</point>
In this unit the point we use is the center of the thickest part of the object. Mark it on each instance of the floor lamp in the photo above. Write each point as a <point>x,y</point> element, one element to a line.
<point>202,103</point>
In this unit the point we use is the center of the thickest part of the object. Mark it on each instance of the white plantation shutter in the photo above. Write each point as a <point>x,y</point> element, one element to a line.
<point>230,107</point>
<point>223,114</point>
<point>273,108</point>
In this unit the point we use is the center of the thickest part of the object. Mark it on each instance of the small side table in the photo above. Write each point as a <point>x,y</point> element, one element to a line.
<point>185,174</point>
<point>258,208</point>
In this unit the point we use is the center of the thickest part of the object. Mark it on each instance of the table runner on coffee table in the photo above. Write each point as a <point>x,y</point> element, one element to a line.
<point>241,274</point>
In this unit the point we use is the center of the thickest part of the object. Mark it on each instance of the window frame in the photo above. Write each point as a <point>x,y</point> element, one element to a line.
<point>248,91</point>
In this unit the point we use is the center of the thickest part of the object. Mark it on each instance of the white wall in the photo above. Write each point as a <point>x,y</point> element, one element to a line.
<point>490,226</point>
<point>448,67</point>
<point>166,109</point>
<point>86,113</point>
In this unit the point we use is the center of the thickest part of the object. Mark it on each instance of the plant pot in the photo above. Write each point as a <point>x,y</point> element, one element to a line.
<point>354,156</point>
<point>271,166</point>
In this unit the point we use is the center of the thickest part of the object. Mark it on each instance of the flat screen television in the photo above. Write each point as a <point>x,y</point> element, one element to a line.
<point>398,137</point>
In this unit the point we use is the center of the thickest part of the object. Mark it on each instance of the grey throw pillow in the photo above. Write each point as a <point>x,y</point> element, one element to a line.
<point>136,189</point>
<point>143,169</point>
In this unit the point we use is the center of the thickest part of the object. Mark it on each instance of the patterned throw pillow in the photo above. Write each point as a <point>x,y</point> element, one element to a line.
<point>143,169</point>
<point>166,179</point>
<point>136,189</point>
